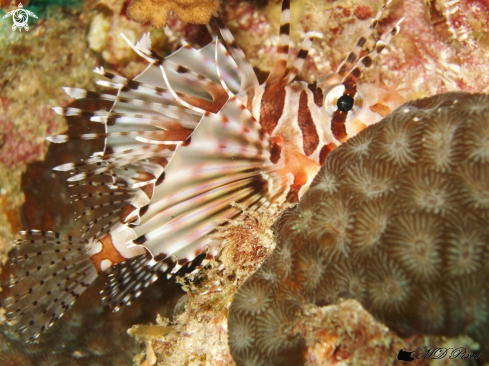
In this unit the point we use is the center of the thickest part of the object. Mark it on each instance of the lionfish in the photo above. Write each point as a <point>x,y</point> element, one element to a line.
<point>194,132</point>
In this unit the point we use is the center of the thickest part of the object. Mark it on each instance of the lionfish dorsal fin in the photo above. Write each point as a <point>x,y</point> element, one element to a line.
<point>349,62</point>
<point>301,58</point>
<point>278,74</point>
<point>280,65</point>
<point>351,69</point>
<point>367,60</point>
<point>248,78</point>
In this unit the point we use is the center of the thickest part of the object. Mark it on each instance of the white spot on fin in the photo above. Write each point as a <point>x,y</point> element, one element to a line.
<point>106,263</point>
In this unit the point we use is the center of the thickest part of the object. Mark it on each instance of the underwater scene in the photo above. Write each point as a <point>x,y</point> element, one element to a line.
<point>244,182</point>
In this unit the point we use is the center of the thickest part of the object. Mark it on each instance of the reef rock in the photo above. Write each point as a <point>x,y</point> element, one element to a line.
<point>157,11</point>
<point>397,219</point>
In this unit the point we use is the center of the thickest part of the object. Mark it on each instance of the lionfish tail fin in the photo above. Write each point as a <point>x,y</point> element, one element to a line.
<point>49,272</point>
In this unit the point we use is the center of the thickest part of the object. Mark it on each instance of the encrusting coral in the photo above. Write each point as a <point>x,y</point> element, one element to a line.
<point>157,11</point>
<point>396,219</point>
<point>198,330</point>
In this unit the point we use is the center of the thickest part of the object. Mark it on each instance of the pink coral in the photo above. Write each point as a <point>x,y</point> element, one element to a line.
<point>25,148</point>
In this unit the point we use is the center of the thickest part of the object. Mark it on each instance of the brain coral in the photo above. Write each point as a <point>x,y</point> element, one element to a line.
<point>157,11</point>
<point>396,219</point>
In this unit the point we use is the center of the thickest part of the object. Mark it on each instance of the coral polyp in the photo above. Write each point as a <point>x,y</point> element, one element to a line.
<point>407,203</point>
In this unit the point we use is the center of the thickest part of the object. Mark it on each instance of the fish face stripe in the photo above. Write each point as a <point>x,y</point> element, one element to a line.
<point>318,94</point>
<point>272,106</point>
<point>310,136</point>
<point>275,152</point>
<point>338,125</point>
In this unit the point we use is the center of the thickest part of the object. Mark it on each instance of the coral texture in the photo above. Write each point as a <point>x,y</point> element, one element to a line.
<point>157,11</point>
<point>422,57</point>
<point>198,331</point>
<point>33,67</point>
<point>396,219</point>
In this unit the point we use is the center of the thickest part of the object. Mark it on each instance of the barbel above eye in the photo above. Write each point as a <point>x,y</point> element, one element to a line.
<point>334,99</point>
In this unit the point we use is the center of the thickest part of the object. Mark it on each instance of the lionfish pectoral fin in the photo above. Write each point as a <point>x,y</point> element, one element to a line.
<point>192,86</point>
<point>227,160</point>
<point>50,271</point>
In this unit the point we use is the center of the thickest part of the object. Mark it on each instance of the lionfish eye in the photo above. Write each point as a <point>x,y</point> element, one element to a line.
<point>345,103</point>
<point>334,99</point>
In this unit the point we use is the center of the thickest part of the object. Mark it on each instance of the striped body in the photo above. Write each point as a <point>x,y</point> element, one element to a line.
<point>300,127</point>
<point>192,133</point>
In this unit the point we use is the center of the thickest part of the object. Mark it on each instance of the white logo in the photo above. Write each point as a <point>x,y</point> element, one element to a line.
<point>20,17</point>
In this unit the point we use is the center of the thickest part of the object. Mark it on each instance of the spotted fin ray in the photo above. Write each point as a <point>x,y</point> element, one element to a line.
<point>179,148</point>
<point>51,271</point>
<point>128,280</point>
<point>143,127</point>
<point>226,159</point>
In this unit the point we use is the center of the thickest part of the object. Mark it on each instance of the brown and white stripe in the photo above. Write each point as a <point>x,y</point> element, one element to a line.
<point>190,134</point>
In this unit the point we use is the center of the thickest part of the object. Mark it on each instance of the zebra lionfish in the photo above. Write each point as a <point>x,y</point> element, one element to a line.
<point>192,133</point>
